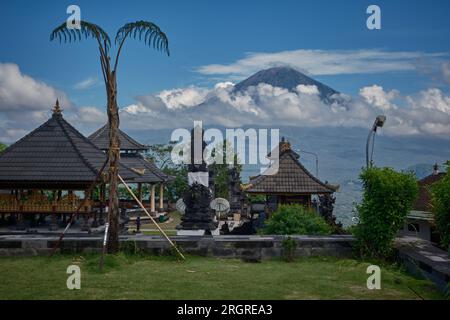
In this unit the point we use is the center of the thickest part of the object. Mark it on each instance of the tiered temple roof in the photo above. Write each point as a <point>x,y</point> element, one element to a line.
<point>292,177</point>
<point>101,139</point>
<point>55,155</point>
<point>132,157</point>
<point>149,173</point>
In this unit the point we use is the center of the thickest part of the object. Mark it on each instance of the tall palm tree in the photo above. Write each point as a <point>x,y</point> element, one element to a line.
<point>152,36</point>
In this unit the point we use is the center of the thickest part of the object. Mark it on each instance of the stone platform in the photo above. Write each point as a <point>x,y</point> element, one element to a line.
<point>421,258</point>
<point>243,247</point>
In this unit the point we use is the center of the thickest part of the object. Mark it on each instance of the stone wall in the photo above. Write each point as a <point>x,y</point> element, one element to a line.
<point>242,247</point>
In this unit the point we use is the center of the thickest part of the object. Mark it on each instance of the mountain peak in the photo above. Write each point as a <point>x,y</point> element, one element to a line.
<point>284,77</point>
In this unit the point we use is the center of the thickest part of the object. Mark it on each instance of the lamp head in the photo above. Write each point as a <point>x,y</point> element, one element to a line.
<point>379,122</point>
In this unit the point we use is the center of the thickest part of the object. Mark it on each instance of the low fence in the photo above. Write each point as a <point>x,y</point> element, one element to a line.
<point>242,247</point>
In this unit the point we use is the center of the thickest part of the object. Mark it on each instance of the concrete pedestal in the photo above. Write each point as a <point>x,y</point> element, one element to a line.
<point>183,232</point>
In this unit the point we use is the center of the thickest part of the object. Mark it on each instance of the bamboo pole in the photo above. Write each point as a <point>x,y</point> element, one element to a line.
<point>153,220</point>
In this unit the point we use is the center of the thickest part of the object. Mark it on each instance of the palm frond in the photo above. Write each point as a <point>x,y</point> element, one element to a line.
<point>153,36</point>
<point>86,28</point>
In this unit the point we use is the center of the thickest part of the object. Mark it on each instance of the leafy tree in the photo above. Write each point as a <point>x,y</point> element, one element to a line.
<point>387,198</point>
<point>256,198</point>
<point>440,192</point>
<point>221,170</point>
<point>179,185</point>
<point>296,219</point>
<point>2,147</point>
<point>160,154</point>
<point>221,180</point>
<point>152,35</point>
<point>326,206</point>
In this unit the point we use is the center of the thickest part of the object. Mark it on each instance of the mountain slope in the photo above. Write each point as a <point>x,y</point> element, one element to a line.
<point>284,77</point>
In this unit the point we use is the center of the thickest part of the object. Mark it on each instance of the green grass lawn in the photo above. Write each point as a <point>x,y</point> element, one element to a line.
<point>149,277</point>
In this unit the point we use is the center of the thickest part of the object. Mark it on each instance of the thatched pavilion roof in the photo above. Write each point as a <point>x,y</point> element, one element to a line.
<point>292,177</point>
<point>55,155</point>
<point>148,170</point>
<point>134,160</point>
<point>101,139</point>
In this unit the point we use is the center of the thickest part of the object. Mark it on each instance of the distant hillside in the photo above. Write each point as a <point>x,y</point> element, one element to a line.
<point>284,77</point>
<point>421,170</point>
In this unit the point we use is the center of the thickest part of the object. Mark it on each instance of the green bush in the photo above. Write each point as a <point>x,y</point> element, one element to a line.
<point>289,246</point>
<point>387,198</point>
<point>296,219</point>
<point>440,192</point>
<point>259,198</point>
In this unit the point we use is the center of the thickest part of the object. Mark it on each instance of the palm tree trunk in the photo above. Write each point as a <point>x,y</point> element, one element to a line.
<point>114,157</point>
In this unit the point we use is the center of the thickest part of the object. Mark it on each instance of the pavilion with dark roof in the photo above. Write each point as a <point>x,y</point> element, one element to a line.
<point>292,183</point>
<point>45,171</point>
<point>127,144</point>
<point>131,155</point>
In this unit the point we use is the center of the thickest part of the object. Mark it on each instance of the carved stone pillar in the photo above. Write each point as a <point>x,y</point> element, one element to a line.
<point>198,218</point>
<point>152,199</point>
<point>161,197</point>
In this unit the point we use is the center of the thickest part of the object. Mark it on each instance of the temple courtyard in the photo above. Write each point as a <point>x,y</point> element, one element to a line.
<point>152,277</point>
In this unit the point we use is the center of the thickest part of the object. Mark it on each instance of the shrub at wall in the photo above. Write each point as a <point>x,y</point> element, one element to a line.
<point>387,198</point>
<point>296,219</point>
<point>441,207</point>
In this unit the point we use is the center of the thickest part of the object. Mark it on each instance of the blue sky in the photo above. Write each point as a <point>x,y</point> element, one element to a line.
<point>210,32</point>
<point>204,34</point>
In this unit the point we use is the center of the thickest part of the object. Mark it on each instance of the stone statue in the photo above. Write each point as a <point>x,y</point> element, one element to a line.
<point>198,214</point>
<point>326,206</point>
<point>235,192</point>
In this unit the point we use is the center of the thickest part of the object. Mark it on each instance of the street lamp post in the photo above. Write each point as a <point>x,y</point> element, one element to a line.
<point>379,122</point>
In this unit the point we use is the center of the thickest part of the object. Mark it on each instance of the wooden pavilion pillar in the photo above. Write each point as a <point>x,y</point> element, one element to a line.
<point>152,198</point>
<point>92,209</point>
<point>161,197</point>
<point>85,226</point>
<point>139,191</point>
<point>53,223</point>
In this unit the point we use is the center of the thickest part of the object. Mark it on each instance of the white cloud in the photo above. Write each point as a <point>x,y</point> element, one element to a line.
<point>376,96</point>
<point>92,115</point>
<point>26,103</point>
<point>306,89</point>
<point>323,62</point>
<point>181,98</point>
<point>427,112</point>
<point>20,92</point>
<point>86,83</point>
<point>433,99</point>
<point>8,135</point>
